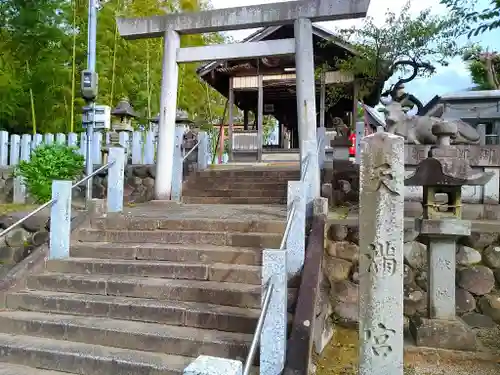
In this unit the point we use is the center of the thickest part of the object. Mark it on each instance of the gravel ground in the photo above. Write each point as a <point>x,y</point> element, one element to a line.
<point>340,357</point>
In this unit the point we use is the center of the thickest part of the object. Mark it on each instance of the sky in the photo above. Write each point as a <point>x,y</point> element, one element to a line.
<point>452,78</point>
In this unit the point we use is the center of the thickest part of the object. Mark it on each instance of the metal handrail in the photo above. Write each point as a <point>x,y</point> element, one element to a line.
<point>260,324</point>
<point>306,166</point>
<point>191,151</point>
<point>53,200</point>
<point>288,226</point>
<point>86,178</point>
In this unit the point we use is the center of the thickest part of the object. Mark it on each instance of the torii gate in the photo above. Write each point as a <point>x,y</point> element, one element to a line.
<point>300,13</point>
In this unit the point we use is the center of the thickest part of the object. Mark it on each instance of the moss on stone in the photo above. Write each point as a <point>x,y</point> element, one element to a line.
<point>340,357</point>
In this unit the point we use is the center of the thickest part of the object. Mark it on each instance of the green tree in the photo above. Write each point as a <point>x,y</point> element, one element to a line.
<point>43,48</point>
<point>484,68</point>
<point>34,39</point>
<point>380,50</point>
<point>477,21</point>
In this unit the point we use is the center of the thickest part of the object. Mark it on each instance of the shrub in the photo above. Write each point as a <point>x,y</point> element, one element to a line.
<point>48,163</point>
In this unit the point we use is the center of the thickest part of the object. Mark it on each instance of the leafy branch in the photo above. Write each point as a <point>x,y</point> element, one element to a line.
<point>477,21</point>
<point>423,39</point>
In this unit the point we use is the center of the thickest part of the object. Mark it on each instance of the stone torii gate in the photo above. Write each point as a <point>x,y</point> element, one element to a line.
<point>170,26</point>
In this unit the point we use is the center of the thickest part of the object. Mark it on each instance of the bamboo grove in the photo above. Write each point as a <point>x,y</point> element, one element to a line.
<point>43,49</point>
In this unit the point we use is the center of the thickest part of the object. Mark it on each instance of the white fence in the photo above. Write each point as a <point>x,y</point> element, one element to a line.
<point>248,140</point>
<point>140,145</point>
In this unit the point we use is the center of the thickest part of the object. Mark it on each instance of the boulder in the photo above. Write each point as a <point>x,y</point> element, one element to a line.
<point>491,256</point>
<point>421,279</point>
<point>480,240</point>
<point>415,254</point>
<point>347,313</point>
<point>6,221</point>
<point>476,320</point>
<point>337,232</point>
<point>353,235</point>
<point>467,256</point>
<point>464,301</point>
<point>408,275</point>
<point>497,275</point>
<point>354,276</point>
<point>344,291</point>
<point>141,171</point>
<point>148,182</point>
<point>17,238</point>
<point>489,305</point>
<point>344,250</point>
<point>478,280</point>
<point>35,223</point>
<point>336,269</point>
<point>415,300</point>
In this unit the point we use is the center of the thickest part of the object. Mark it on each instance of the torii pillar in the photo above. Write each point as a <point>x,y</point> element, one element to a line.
<point>170,26</point>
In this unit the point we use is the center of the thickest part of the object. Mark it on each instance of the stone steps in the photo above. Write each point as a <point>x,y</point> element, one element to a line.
<point>256,186</point>
<point>167,252</point>
<point>271,192</point>
<point>145,292</point>
<point>149,337</point>
<point>191,224</point>
<point>179,313</point>
<point>228,294</point>
<point>238,184</point>
<point>220,272</point>
<point>10,369</point>
<point>254,173</point>
<point>220,293</point>
<point>255,239</point>
<point>233,200</point>
<point>87,359</point>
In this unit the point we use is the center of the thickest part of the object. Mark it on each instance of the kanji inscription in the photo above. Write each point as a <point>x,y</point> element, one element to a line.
<point>383,176</point>
<point>379,339</point>
<point>382,257</point>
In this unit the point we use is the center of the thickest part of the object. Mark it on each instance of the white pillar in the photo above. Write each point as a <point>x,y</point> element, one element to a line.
<point>306,89</point>
<point>322,101</point>
<point>260,117</point>
<point>231,118</point>
<point>168,107</point>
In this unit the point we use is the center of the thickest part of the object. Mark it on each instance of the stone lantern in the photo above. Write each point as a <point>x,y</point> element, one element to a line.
<point>181,119</point>
<point>125,113</point>
<point>443,174</point>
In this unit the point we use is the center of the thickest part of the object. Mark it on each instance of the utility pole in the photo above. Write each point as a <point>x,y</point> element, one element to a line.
<point>91,58</point>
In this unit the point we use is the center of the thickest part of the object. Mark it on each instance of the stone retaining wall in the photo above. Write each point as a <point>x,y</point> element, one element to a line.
<point>20,242</point>
<point>478,276</point>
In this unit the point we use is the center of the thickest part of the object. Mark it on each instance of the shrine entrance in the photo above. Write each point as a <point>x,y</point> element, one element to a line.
<point>299,13</point>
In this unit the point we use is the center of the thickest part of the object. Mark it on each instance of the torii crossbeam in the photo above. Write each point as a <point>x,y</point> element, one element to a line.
<point>248,17</point>
<point>300,13</point>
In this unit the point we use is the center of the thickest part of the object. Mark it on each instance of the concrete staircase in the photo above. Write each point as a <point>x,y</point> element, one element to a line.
<point>143,293</point>
<point>259,185</point>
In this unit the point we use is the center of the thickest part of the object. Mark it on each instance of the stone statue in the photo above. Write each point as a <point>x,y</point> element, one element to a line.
<point>418,129</point>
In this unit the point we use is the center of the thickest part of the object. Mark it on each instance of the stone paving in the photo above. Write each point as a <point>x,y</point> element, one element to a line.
<point>161,209</point>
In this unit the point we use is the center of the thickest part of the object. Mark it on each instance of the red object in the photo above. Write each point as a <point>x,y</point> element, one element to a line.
<point>352,149</point>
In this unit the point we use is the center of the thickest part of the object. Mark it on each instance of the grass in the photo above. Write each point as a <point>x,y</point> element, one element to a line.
<point>7,208</point>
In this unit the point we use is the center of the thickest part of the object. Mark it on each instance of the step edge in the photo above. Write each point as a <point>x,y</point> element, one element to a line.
<point>36,344</point>
<point>146,280</point>
<point>123,300</point>
<point>72,321</point>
